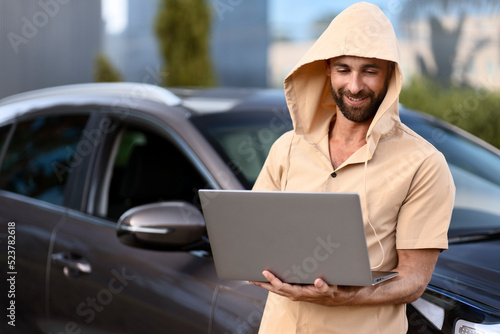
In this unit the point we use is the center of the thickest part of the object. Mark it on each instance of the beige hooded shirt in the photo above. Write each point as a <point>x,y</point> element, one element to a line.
<point>405,185</point>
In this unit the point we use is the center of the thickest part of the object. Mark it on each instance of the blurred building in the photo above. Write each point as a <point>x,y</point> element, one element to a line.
<point>239,43</point>
<point>51,42</point>
<point>47,43</point>
<point>283,56</point>
<point>134,51</point>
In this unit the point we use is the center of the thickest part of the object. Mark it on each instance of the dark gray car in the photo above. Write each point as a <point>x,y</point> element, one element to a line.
<point>76,159</point>
<point>101,227</point>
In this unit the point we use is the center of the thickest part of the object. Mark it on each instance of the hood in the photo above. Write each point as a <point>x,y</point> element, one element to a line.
<point>471,270</point>
<point>361,30</point>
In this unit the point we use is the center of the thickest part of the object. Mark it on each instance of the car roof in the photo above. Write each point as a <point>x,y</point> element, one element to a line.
<point>155,93</point>
<point>126,94</point>
<point>119,94</point>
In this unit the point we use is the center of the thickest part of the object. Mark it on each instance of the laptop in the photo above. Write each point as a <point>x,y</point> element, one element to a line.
<point>298,236</point>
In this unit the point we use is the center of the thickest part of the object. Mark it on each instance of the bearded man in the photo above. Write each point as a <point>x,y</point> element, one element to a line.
<point>343,98</point>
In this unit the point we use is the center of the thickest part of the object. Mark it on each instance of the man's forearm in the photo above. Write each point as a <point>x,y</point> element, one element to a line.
<point>398,290</point>
<point>415,269</point>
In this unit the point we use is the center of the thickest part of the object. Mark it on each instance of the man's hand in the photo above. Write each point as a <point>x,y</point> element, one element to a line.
<point>319,293</point>
<point>415,269</point>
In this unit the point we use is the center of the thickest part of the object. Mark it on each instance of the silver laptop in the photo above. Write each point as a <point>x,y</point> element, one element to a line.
<point>298,236</point>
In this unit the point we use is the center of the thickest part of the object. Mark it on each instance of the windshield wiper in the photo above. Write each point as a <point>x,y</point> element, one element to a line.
<point>487,235</point>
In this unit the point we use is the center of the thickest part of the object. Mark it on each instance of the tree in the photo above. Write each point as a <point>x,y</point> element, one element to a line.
<point>444,45</point>
<point>444,42</point>
<point>104,71</point>
<point>183,30</point>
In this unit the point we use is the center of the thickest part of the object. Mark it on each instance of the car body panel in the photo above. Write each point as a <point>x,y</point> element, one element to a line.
<point>239,307</point>
<point>471,270</point>
<point>178,286</point>
<point>34,223</point>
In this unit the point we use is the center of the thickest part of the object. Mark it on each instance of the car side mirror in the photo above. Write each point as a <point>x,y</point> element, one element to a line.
<point>165,225</point>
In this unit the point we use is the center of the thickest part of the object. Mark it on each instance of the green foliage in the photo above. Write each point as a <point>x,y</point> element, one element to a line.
<point>104,71</point>
<point>472,109</point>
<point>183,31</point>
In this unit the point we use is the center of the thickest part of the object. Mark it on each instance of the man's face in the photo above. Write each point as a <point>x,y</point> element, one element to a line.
<point>358,85</point>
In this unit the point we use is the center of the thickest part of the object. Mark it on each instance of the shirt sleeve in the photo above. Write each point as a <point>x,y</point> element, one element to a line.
<point>425,215</point>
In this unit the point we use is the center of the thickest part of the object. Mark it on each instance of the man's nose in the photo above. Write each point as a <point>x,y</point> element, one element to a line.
<point>355,83</point>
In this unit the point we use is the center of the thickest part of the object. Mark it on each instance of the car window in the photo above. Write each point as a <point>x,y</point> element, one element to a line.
<point>148,168</point>
<point>40,156</point>
<point>4,132</point>
<point>246,147</point>
<point>476,173</point>
<point>463,153</point>
<point>243,139</point>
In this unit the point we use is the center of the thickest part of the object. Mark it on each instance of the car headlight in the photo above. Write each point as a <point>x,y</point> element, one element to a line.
<point>433,313</point>
<point>467,327</point>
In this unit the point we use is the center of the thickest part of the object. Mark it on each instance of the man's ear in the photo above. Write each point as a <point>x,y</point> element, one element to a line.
<point>392,68</point>
<point>327,68</point>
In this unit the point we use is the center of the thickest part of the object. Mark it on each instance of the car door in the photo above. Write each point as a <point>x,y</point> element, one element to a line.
<point>33,202</point>
<point>97,283</point>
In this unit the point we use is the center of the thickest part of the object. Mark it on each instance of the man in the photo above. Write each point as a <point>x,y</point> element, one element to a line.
<point>343,99</point>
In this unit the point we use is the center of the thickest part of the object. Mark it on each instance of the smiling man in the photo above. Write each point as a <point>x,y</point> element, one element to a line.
<point>356,79</point>
<point>343,97</point>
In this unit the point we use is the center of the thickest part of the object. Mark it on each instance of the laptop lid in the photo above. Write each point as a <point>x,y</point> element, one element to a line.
<point>298,236</point>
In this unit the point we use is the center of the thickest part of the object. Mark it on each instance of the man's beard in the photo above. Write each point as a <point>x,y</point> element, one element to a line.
<point>358,114</point>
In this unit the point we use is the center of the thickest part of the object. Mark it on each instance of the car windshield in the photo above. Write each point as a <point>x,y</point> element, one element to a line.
<point>243,139</point>
<point>476,173</point>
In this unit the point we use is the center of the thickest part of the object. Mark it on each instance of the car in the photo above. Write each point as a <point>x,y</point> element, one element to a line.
<point>103,229</point>
<point>84,166</point>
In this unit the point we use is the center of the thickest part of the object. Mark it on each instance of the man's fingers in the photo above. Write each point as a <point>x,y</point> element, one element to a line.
<point>320,289</point>
<point>276,282</point>
<point>321,285</point>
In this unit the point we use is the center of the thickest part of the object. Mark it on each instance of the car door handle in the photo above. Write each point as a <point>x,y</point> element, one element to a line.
<point>72,262</point>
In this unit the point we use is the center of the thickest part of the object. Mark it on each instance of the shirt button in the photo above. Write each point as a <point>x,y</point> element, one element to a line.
<point>334,175</point>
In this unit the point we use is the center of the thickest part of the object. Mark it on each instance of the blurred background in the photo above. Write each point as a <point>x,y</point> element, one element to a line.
<point>450,50</point>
